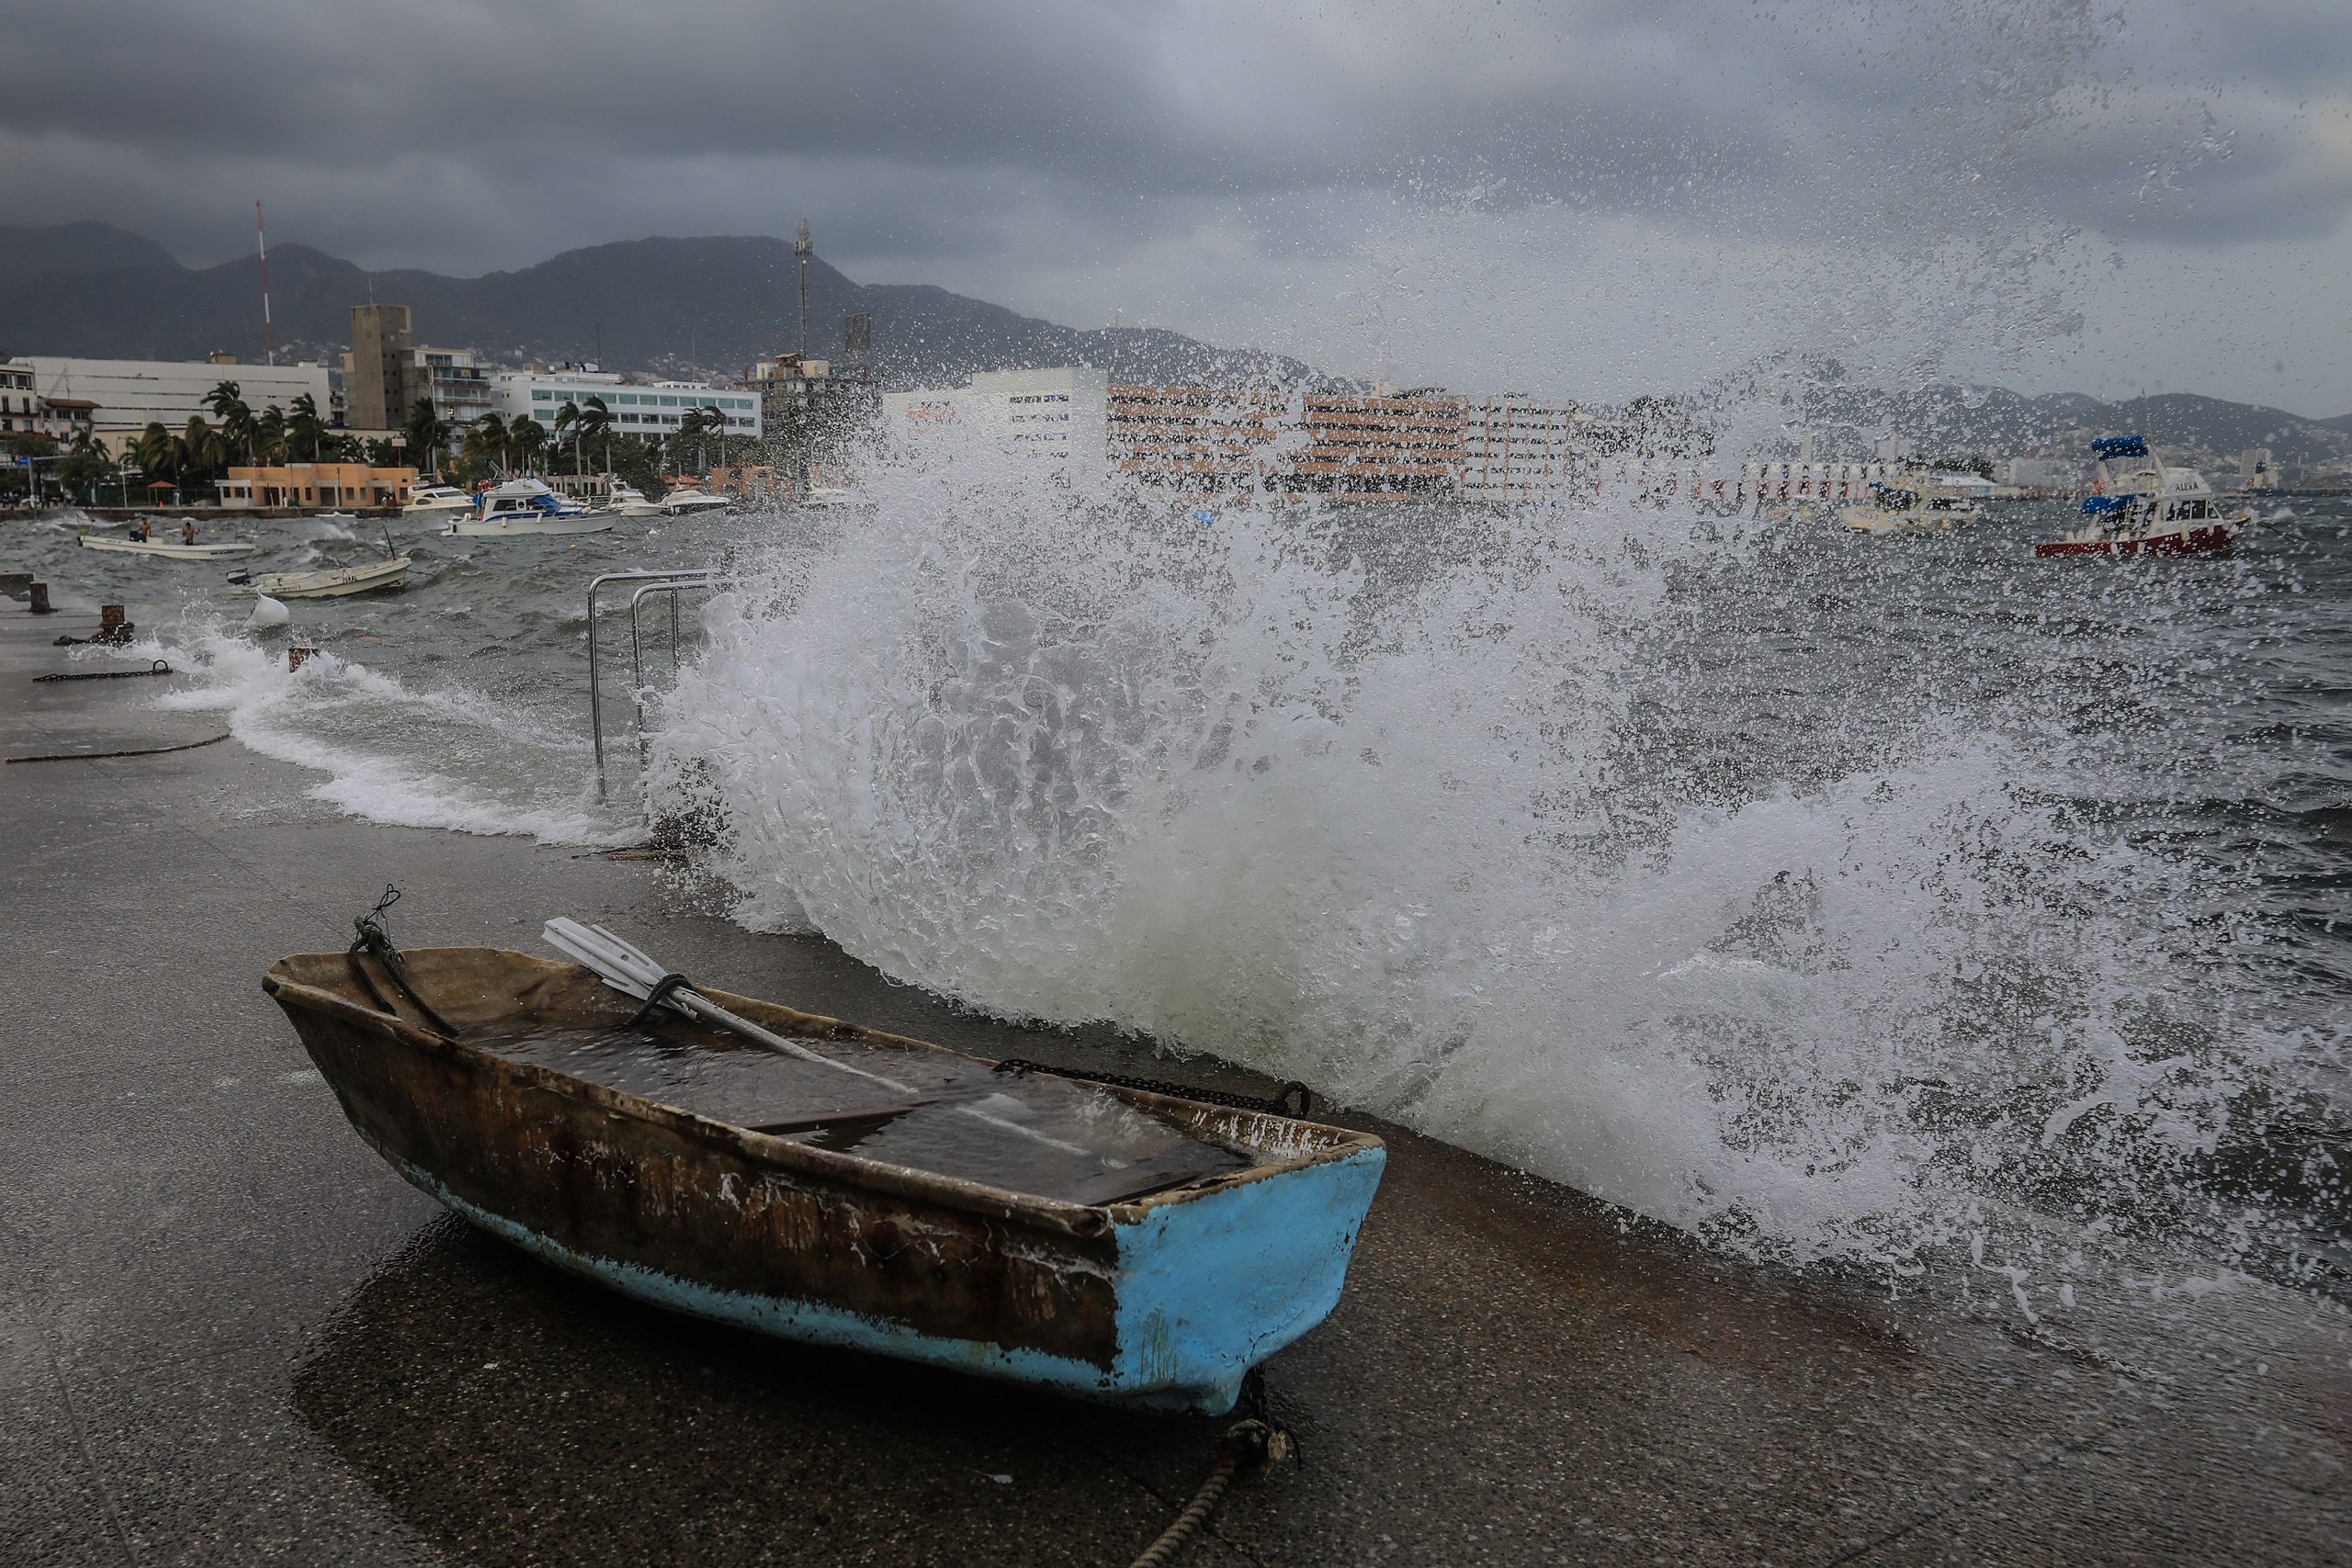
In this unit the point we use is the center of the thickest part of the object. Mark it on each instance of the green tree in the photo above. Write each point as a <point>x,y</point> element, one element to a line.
<point>85,467</point>
<point>427,433</point>
<point>202,451</point>
<point>304,429</point>
<point>525,435</point>
<point>227,404</point>
<point>567,423</point>
<point>269,435</point>
<point>595,424</point>
<point>158,453</point>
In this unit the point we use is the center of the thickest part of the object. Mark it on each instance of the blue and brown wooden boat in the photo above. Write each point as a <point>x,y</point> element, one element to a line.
<point>1101,1241</point>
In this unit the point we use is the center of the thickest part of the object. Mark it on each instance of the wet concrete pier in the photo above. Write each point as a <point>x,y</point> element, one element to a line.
<point>230,1333</point>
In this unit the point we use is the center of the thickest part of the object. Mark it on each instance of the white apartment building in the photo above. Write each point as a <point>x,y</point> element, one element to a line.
<point>132,394</point>
<point>1062,415</point>
<point>636,409</point>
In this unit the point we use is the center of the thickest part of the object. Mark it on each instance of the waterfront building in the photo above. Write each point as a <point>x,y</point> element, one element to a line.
<point>1059,414</point>
<point>25,411</point>
<point>117,399</point>
<point>798,392</point>
<point>637,409</point>
<point>317,484</point>
<point>379,376</point>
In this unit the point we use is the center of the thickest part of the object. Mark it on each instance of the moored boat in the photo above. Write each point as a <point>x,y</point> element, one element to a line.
<point>2142,506</point>
<point>883,1194</point>
<point>526,506</point>
<point>625,500</point>
<point>430,500</point>
<point>168,551</point>
<point>335,582</point>
<point>688,501</point>
<point>1923,503</point>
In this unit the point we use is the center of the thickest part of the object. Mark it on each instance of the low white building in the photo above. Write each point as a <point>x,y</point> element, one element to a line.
<point>132,394</point>
<point>637,410</point>
<point>1062,414</point>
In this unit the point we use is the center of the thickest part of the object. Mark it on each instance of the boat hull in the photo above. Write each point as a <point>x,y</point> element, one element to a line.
<point>2193,542</point>
<point>340,583</point>
<point>1163,1302</point>
<point>172,552</point>
<point>504,527</point>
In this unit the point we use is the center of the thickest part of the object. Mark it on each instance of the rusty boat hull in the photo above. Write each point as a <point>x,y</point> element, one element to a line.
<point>1163,1302</point>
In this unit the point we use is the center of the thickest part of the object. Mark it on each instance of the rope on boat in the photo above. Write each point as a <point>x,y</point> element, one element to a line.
<point>160,667</point>
<point>374,938</point>
<point>1255,1443</point>
<point>102,756</point>
<point>1280,1103</point>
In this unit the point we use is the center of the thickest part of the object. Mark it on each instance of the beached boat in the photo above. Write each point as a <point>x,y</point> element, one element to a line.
<point>897,1197</point>
<point>335,582</point>
<point>2142,506</point>
<point>168,551</point>
<point>526,506</point>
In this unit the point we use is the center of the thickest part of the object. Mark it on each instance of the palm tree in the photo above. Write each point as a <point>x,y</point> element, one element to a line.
<point>201,450</point>
<point>489,433</point>
<point>304,428</point>
<point>529,437</point>
<point>269,435</point>
<point>567,418</point>
<point>426,431</point>
<point>153,449</point>
<point>228,405</point>
<point>596,421</point>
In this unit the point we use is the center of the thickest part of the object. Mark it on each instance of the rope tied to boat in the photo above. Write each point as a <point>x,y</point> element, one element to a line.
<point>1293,1099</point>
<point>656,995</point>
<point>1250,1445</point>
<point>373,938</point>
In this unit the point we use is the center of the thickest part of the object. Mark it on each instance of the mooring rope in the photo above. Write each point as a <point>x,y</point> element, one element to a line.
<point>1278,1104</point>
<point>1257,1442</point>
<point>102,756</point>
<point>373,938</point>
<point>160,667</point>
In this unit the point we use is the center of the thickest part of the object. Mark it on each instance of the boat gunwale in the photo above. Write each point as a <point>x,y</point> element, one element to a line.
<point>1082,1220</point>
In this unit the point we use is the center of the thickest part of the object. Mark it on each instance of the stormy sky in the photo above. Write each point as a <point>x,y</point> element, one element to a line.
<point>1587,198</point>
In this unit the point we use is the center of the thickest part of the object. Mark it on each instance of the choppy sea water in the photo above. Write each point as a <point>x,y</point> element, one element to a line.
<point>1835,899</point>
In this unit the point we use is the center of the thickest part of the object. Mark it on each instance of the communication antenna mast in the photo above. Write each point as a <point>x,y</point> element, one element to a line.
<point>800,248</point>
<point>268,333</point>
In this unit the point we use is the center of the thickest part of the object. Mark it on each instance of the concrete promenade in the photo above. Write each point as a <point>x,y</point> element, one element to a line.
<point>229,1335</point>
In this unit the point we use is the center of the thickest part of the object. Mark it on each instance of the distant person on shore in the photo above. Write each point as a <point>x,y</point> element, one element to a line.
<point>187,531</point>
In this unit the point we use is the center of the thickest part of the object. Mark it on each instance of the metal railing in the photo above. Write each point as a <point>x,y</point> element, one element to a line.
<point>670,582</point>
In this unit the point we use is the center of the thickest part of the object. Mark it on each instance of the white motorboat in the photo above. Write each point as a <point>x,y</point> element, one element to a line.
<point>170,552</point>
<point>1917,503</point>
<point>336,582</point>
<point>425,501</point>
<point>829,496</point>
<point>627,500</point>
<point>2140,505</point>
<point>526,506</point>
<point>685,502</point>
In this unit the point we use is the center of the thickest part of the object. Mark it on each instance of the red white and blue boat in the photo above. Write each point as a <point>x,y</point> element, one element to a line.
<point>2142,506</point>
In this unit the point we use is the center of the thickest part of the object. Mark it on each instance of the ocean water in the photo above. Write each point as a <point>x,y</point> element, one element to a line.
<point>1845,901</point>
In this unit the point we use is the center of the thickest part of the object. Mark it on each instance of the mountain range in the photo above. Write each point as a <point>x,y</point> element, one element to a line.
<point>714,305</point>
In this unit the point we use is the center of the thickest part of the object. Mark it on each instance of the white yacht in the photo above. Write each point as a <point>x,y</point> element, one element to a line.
<point>425,501</point>
<point>686,501</point>
<point>526,506</point>
<point>1917,503</point>
<point>625,500</point>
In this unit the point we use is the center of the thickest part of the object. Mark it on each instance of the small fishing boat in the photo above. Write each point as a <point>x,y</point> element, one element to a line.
<point>526,506</point>
<point>835,1185</point>
<point>335,582</point>
<point>168,551</point>
<point>2142,506</point>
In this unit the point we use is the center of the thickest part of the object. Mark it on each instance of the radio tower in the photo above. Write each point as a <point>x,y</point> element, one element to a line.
<point>268,333</point>
<point>800,248</point>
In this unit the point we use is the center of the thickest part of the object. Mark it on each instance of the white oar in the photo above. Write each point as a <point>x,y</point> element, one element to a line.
<point>633,972</point>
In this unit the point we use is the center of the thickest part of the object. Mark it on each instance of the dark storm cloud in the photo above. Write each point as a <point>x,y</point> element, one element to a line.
<point>1130,150</point>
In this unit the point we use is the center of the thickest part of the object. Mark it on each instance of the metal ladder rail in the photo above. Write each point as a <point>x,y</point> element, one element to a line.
<point>637,643</point>
<point>595,681</point>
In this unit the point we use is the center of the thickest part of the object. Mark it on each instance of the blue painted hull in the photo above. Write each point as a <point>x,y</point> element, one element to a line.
<point>1165,1302</point>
